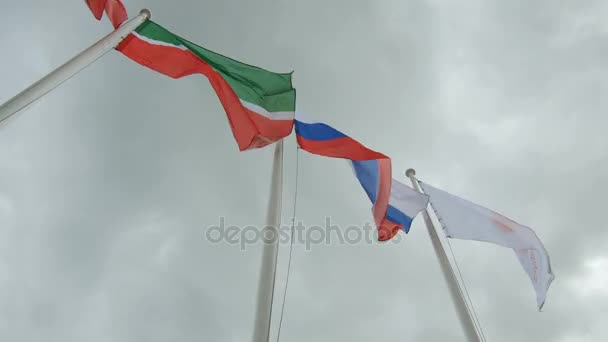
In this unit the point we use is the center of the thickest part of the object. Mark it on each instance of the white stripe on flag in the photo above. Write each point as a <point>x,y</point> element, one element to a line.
<point>271,115</point>
<point>158,42</point>
<point>407,200</point>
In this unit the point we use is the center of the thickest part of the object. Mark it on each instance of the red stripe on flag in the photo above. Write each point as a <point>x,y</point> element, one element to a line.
<point>387,229</point>
<point>344,147</point>
<point>116,11</point>
<point>383,196</point>
<point>96,6</point>
<point>270,130</point>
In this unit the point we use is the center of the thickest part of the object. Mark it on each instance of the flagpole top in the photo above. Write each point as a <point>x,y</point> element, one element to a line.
<point>146,13</point>
<point>410,173</point>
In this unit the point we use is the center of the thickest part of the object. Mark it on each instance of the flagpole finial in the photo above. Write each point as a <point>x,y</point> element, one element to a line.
<point>146,13</point>
<point>410,173</point>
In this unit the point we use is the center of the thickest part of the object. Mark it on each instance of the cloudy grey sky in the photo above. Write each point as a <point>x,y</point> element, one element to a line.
<point>108,185</point>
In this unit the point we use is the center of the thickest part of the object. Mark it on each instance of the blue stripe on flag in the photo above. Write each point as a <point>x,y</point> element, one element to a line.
<point>367,173</point>
<point>317,131</point>
<point>396,216</point>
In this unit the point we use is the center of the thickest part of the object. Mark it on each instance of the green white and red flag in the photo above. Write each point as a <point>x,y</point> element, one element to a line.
<point>259,104</point>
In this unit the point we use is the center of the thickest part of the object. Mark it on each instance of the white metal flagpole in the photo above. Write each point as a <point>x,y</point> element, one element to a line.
<point>466,320</point>
<point>71,67</point>
<point>263,313</point>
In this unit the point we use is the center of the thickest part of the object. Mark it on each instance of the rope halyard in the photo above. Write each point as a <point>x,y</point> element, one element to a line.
<point>291,238</point>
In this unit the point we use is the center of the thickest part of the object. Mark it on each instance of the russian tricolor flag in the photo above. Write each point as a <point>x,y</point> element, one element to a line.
<point>394,204</point>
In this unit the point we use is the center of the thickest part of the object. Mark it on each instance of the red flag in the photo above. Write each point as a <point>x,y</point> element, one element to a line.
<point>96,7</point>
<point>114,9</point>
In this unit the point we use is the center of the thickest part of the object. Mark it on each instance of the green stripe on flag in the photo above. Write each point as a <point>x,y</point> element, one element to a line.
<point>153,31</point>
<point>271,91</point>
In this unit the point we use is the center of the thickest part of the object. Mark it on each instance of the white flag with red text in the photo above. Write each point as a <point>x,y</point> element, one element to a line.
<point>465,220</point>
